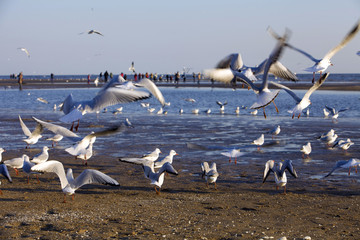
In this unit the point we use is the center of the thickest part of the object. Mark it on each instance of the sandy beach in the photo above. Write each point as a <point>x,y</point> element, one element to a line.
<point>241,208</point>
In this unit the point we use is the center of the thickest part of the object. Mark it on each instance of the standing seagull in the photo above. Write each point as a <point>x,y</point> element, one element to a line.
<point>303,103</point>
<point>210,173</point>
<point>168,158</point>
<point>41,157</point>
<point>4,171</point>
<point>222,106</point>
<point>263,95</point>
<point>16,163</point>
<point>234,153</point>
<point>34,136</point>
<point>25,50</point>
<point>275,131</point>
<point>156,178</point>
<point>68,184</point>
<point>279,172</point>
<point>259,141</point>
<point>27,169</point>
<point>306,150</point>
<point>322,64</point>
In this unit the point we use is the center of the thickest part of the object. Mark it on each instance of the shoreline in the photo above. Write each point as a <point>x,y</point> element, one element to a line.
<point>79,83</point>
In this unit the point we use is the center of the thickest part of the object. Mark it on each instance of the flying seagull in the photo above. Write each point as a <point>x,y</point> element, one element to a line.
<point>322,64</point>
<point>25,50</point>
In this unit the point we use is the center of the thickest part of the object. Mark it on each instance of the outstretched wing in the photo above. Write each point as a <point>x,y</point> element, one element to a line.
<point>337,165</point>
<point>316,85</point>
<point>24,127</point>
<point>288,90</point>
<point>89,176</point>
<point>52,166</point>
<point>287,165</point>
<point>149,85</point>
<point>4,171</point>
<point>269,167</point>
<point>233,61</point>
<point>57,129</point>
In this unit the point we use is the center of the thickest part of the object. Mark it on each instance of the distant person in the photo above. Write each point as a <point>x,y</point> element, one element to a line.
<point>122,74</point>
<point>146,75</point>
<point>20,80</point>
<point>135,77</point>
<point>194,76</point>
<point>111,75</point>
<point>177,77</point>
<point>125,77</point>
<point>100,76</point>
<point>52,78</point>
<point>88,78</point>
<point>199,77</point>
<point>106,76</point>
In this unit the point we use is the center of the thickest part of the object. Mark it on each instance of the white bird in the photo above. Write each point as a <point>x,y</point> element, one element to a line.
<point>222,106</point>
<point>40,99</point>
<point>55,139</point>
<point>279,172</point>
<point>111,94</point>
<point>335,113</point>
<point>275,131</point>
<point>303,103</point>
<point>322,64</point>
<point>181,111</point>
<point>27,165</point>
<point>25,50</point>
<point>153,156</point>
<point>233,153</point>
<point>145,105</point>
<point>160,111</point>
<point>1,152</point>
<point>132,67</point>
<point>307,112</point>
<point>259,141</point>
<point>4,171</point>
<point>254,113</point>
<point>68,184</point>
<point>150,110</point>
<point>168,158</point>
<point>195,111</point>
<point>86,154</point>
<point>210,173</point>
<point>329,138</point>
<point>237,110</point>
<point>34,136</point>
<point>343,144</point>
<point>326,113</point>
<point>41,157</point>
<point>190,100</point>
<point>156,178</point>
<point>306,149</point>
<point>354,162</point>
<point>16,163</point>
<point>96,82</point>
<point>263,95</point>
<point>208,111</point>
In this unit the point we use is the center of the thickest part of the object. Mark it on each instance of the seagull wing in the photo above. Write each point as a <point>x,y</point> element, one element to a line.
<point>205,168</point>
<point>59,130</point>
<point>287,165</point>
<point>68,104</point>
<point>277,69</point>
<point>337,165</point>
<point>345,41</point>
<point>52,166</point>
<point>288,90</point>
<point>316,85</point>
<point>149,85</point>
<point>269,167</point>
<point>233,61</point>
<point>89,176</point>
<point>332,110</point>
<point>24,127</point>
<point>224,75</point>
<point>4,171</point>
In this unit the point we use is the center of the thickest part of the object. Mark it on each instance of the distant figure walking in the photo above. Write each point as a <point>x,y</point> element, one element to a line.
<point>100,76</point>
<point>20,80</point>
<point>88,78</point>
<point>106,75</point>
<point>52,78</point>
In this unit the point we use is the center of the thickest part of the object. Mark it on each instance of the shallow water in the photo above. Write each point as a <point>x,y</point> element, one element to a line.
<point>214,133</point>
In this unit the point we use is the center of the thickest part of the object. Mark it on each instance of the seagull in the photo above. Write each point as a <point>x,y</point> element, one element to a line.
<point>94,32</point>
<point>237,110</point>
<point>209,173</point>
<point>322,64</point>
<point>16,163</point>
<point>195,111</point>
<point>27,165</point>
<point>303,103</point>
<point>222,106</point>
<point>190,100</point>
<point>168,158</point>
<point>326,113</point>
<point>153,156</point>
<point>132,68</point>
<point>279,172</point>
<point>306,149</point>
<point>111,94</point>
<point>34,136</point>
<point>1,152</point>
<point>343,144</point>
<point>259,141</point>
<point>25,50</point>
<point>40,99</point>
<point>41,157</point>
<point>234,153</point>
<point>330,137</point>
<point>85,154</point>
<point>4,171</point>
<point>275,131</point>
<point>334,113</point>
<point>156,178</point>
<point>254,113</point>
<point>208,111</point>
<point>55,139</point>
<point>263,95</point>
<point>354,162</point>
<point>68,184</point>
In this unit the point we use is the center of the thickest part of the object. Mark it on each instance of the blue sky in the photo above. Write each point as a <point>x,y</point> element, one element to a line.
<point>164,36</point>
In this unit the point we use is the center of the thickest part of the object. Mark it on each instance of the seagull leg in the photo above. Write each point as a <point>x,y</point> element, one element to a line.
<point>16,171</point>
<point>215,186</point>
<point>264,113</point>
<point>1,192</point>
<point>28,181</point>
<point>72,127</point>
<point>64,198</point>
<point>285,190</point>
<point>229,159</point>
<point>235,163</point>
<point>299,115</point>
<point>349,170</point>
<point>277,110</point>
<point>37,178</point>
<point>207,184</point>
<point>77,126</point>
<point>73,197</point>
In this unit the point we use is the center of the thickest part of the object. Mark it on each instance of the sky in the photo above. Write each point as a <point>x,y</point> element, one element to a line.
<point>165,36</point>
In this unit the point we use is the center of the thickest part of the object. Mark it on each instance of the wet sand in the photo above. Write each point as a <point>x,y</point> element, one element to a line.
<point>241,208</point>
